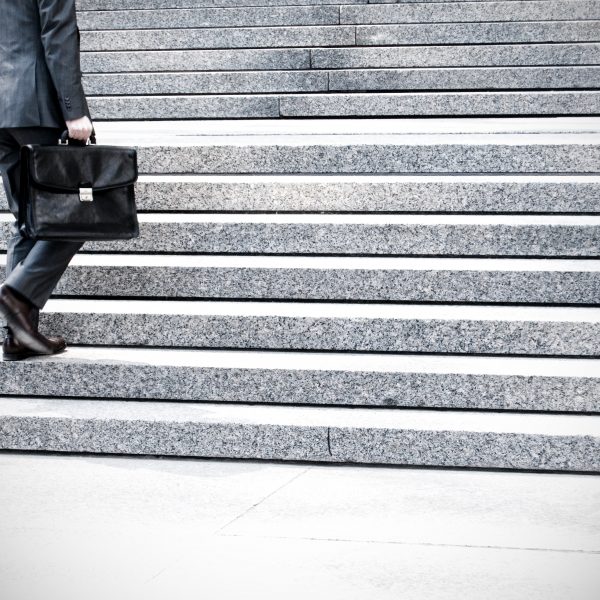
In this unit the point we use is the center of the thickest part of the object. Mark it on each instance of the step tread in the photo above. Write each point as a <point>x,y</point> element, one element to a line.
<point>311,362</point>
<point>319,417</point>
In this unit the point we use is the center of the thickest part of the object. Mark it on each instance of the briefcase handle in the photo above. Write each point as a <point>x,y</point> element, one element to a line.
<point>65,140</point>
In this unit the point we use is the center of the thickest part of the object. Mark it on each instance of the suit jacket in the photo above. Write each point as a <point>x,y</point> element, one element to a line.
<point>40,75</point>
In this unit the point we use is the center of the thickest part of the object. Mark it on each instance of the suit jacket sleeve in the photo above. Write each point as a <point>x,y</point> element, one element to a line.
<point>60,39</point>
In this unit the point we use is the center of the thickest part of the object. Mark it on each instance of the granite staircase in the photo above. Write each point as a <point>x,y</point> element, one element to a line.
<point>409,291</point>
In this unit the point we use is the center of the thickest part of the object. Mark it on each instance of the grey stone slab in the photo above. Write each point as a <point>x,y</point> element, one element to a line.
<point>370,194</point>
<point>282,156</point>
<point>496,78</point>
<point>583,102</point>
<point>465,449</point>
<point>229,82</point>
<point>154,4</point>
<point>562,443</point>
<point>474,33</point>
<point>233,37</point>
<point>184,107</point>
<point>315,333</point>
<point>195,60</point>
<point>286,378</point>
<point>555,238</point>
<point>209,17</point>
<point>453,56</point>
<point>386,193</point>
<point>512,10</point>
<point>201,432</point>
<point>432,284</point>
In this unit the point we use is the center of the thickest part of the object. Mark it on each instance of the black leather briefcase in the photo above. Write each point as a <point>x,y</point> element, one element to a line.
<point>78,192</point>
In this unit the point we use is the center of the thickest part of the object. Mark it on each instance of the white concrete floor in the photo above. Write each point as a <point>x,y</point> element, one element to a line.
<point>85,528</point>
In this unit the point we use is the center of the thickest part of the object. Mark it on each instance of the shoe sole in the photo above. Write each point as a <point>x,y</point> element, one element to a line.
<point>26,355</point>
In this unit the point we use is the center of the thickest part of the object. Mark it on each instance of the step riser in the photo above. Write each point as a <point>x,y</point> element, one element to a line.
<point>342,35</point>
<point>346,105</point>
<point>405,104</point>
<point>236,17</point>
<point>440,56</point>
<point>372,158</point>
<point>352,239</point>
<point>327,334</point>
<point>238,37</point>
<point>477,33</point>
<point>569,288</point>
<point>266,82</point>
<point>530,10</point>
<point>335,388</point>
<point>287,442</point>
<point>281,195</point>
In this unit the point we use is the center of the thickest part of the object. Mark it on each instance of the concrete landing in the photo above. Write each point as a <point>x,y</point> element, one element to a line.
<point>75,527</point>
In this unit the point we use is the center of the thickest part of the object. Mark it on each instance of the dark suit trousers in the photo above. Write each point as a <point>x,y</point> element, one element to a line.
<point>32,268</point>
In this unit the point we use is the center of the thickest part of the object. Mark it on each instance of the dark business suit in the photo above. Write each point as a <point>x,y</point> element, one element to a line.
<point>40,83</point>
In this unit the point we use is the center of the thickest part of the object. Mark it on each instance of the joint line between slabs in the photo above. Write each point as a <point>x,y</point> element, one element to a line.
<point>255,505</point>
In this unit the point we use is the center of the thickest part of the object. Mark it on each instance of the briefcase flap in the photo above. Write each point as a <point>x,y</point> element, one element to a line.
<point>65,169</point>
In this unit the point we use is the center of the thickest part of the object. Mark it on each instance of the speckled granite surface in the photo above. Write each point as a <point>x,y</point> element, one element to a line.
<point>276,332</point>
<point>196,60</point>
<point>324,434</point>
<point>400,57</point>
<point>234,37</point>
<point>436,104</point>
<point>368,194</point>
<point>153,4</point>
<point>338,157</point>
<point>372,194</point>
<point>473,33</point>
<point>466,449</point>
<point>104,378</point>
<point>230,82</point>
<point>385,239</point>
<point>499,78</point>
<point>185,107</point>
<point>567,287</point>
<point>209,17</point>
<point>552,10</point>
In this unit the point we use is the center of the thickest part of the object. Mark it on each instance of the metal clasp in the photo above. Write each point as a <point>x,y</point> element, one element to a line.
<point>86,195</point>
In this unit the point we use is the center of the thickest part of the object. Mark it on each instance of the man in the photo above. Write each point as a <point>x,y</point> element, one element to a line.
<point>41,95</point>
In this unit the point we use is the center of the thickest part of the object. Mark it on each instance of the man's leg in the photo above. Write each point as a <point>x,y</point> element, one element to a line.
<point>33,269</point>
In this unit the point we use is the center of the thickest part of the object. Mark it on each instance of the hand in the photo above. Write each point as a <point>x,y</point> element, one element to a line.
<point>80,129</point>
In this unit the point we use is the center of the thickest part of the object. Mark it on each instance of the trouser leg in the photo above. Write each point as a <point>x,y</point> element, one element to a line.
<point>33,268</point>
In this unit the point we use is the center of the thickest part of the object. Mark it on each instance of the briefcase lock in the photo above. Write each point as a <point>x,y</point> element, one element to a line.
<point>86,195</point>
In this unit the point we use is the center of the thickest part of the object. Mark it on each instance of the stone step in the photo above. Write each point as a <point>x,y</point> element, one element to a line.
<point>199,60</point>
<point>455,280</point>
<point>433,12</point>
<point>325,434</point>
<point>341,58</point>
<point>210,17</point>
<point>474,33</point>
<point>419,104</point>
<point>343,379</point>
<point>367,193</point>
<point>373,147</point>
<point>386,104</point>
<point>448,56</point>
<point>440,12</point>
<point>227,37</point>
<point>341,35</point>
<point>357,235</point>
<point>265,82</point>
<point>461,329</point>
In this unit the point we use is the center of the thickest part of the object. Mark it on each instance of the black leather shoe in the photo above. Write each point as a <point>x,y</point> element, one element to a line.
<point>17,314</point>
<point>14,350</point>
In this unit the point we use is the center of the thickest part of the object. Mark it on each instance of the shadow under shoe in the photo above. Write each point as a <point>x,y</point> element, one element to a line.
<point>23,339</point>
